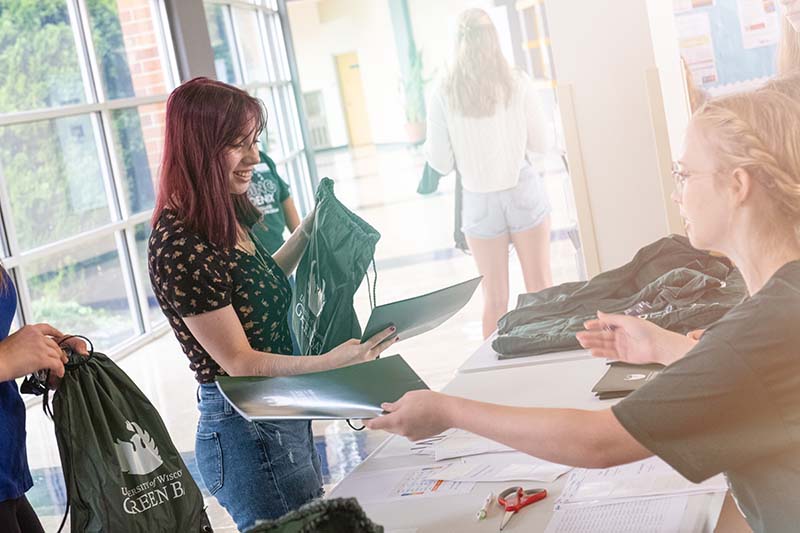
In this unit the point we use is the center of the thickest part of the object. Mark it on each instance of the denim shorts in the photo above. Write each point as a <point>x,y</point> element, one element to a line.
<point>256,470</point>
<point>486,215</point>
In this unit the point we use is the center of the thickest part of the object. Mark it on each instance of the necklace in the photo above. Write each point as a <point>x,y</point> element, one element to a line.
<point>258,255</point>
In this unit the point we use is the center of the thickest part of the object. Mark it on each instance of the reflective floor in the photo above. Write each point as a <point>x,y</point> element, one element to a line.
<point>415,255</point>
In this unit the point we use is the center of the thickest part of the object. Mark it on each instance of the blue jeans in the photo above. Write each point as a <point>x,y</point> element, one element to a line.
<point>256,470</point>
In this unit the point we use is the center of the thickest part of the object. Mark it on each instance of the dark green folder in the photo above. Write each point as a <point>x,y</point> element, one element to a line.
<point>421,313</point>
<point>623,378</point>
<point>355,391</point>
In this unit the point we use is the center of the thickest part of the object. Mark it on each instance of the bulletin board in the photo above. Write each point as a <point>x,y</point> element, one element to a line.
<point>728,45</point>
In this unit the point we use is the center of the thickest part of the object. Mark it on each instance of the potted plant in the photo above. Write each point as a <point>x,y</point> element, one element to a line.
<point>413,84</point>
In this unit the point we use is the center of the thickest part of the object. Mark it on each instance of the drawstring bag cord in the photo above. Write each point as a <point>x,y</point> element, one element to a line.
<point>74,361</point>
<point>372,295</point>
<point>373,301</point>
<point>353,427</point>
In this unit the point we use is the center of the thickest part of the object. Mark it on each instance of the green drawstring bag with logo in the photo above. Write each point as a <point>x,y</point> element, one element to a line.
<point>339,251</point>
<point>122,471</point>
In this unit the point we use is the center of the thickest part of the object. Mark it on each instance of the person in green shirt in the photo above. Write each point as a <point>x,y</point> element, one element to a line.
<point>272,196</point>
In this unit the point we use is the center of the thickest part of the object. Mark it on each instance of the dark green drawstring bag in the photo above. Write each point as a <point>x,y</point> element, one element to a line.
<point>337,515</point>
<point>339,252</point>
<point>121,470</point>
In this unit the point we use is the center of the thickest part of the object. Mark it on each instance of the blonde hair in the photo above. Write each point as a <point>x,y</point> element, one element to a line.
<point>479,78</point>
<point>788,50</point>
<point>788,85</point>
<point>757,131</point>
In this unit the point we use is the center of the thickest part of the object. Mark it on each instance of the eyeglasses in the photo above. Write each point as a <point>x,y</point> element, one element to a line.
<point>681,176</point>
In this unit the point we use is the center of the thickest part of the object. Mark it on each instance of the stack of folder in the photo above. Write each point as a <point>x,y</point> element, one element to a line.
<point>623,378</point>
<point>355,391</point>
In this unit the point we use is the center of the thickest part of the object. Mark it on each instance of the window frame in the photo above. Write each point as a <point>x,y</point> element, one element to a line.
<point>122,226</point>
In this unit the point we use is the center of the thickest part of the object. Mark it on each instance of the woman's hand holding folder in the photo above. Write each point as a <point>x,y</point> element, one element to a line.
<point>354,351</point>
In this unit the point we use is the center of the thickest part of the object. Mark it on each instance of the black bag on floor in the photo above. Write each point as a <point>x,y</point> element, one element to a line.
<point>335,262</point>
<point>337,515</point>
<point>121,470</point>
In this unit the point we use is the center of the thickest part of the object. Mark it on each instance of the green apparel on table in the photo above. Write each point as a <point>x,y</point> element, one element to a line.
<point>668,282</point>
<point>732,405</point>
<point>268,192</point>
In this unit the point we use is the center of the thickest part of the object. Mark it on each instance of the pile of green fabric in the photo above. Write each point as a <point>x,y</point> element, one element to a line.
<point>668,282</point>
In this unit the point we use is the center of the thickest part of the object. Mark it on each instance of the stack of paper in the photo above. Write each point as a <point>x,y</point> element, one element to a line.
<point>648,478</point>
<point>654,515</point>
<point>399,484</point>
<point>425,446</point>
<point>643,497</point>
<point>456,443</point>
<point>531,469</point>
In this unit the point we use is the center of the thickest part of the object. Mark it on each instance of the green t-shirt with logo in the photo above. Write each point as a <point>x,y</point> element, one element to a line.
<point>267,192</point>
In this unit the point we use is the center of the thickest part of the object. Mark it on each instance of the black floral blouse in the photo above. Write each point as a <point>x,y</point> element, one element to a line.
<point>191,277</point>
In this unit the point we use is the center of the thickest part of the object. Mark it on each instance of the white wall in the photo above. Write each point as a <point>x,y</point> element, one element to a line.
<point>322,30</point>
<point>317,68</point>
<point>326,28</point>
<point>603,53</point>
<point>673,90</point>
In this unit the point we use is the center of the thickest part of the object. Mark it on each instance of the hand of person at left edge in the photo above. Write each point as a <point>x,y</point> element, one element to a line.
<point>77,345</point>
<point>417,415</point>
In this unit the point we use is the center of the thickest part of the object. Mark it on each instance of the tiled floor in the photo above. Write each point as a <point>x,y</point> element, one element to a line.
<point>415,255</point>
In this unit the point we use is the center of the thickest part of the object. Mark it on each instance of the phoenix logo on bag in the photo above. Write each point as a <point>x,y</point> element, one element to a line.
<point>139,455</point>
<point>316,292</point>
<point>308,310</point>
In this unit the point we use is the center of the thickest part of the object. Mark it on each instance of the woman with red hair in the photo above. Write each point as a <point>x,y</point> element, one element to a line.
<point>227,298</point>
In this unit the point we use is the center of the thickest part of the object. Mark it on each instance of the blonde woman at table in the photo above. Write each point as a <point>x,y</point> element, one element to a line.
<point>728,403</point>
<point>485,119</point>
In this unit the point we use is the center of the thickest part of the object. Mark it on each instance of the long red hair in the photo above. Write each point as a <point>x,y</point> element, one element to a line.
<point>204,118</point>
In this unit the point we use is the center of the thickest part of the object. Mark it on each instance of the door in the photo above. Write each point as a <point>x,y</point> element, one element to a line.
<point>355,108</point>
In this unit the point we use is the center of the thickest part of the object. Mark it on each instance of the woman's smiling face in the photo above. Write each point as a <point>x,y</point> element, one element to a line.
<point>239,161</point>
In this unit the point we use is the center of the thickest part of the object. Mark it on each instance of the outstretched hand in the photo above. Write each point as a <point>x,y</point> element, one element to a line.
<point>417,415</point>
<point>632,340</point>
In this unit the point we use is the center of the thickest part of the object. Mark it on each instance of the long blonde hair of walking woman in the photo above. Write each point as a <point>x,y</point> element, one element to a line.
<point>480,78</point>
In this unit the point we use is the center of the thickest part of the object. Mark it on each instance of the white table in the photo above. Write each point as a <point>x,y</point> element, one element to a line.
<point>485,358</point>
<point>560,384</point>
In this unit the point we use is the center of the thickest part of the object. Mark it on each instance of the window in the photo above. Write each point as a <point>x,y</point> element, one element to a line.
<point>81,133</point>
<point>250,51</point>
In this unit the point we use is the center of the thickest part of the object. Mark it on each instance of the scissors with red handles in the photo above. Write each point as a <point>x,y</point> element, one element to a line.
<point>513,499</point>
